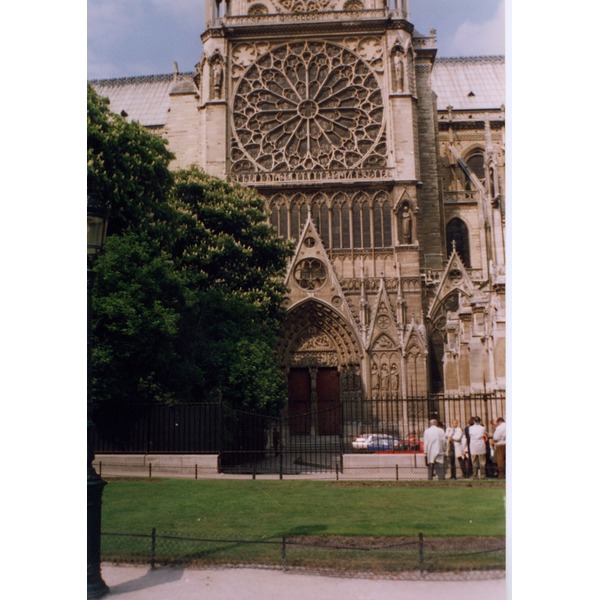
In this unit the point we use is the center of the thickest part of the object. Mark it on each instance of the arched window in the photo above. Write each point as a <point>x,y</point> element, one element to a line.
<point>283,221</point>
<point>303,215</point>
<point>476,164</point>
<point>274,206</point>
<point>361,222</point>
<point>457,232</point>
<point>299,212</point>
<point>341,222</point>
<point>382,222</point>
<point>279,216</point>
<point>345,225</point>
<point>324,224</point>
<point>336,218</point>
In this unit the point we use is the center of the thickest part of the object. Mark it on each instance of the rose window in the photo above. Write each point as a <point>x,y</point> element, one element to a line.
<point>305,106</point>
<point>310,274</point>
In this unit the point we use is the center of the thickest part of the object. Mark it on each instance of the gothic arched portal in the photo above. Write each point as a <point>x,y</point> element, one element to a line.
<point>321,356</point>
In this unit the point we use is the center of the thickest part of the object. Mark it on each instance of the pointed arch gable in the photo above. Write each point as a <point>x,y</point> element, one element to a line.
<point>455,277</point>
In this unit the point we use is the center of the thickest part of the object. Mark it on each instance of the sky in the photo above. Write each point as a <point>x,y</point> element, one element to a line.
<point>145,37</point>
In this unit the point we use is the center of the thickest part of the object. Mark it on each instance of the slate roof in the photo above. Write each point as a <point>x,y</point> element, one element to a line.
<point>469,83</point>
<point>144,99</point>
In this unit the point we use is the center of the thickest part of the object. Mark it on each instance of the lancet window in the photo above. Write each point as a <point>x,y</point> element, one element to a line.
<point>359,220</point>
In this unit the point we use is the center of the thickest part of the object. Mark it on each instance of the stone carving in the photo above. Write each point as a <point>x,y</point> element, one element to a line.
<point>310,274</point>
<point>353,5</point>
<point>394,381</point>
<point>383,321</point>
<point>370,50</point>
<point>398,68</point>
<point>406,224</point>
<point>199,67</point>
<point>374,380</point>
<point>305,5</point>
<point>216,74</point>
<point>314,359</point>
<point>383,343</point>
<point>385,381</point>
<point>308,106</point>
<point>257,9</point>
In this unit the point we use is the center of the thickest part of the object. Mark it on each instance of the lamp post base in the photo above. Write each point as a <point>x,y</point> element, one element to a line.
<point>96,588</point>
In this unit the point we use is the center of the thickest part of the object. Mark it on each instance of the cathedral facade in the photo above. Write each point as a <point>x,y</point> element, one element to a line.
<point>383,164</point>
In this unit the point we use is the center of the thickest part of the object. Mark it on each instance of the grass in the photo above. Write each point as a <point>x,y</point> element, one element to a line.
<point>305,512</point>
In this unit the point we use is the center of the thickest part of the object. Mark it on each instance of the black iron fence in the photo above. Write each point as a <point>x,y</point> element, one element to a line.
<point>403,558</point>
<point>156,428</point>
<point>311,441</point>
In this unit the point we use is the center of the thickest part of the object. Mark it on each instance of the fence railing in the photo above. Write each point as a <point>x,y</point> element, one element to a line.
<point>313,440</point>
<point>408,558</point>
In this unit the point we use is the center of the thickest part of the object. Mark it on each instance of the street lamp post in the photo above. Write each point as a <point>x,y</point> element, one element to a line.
<point>97,219</point>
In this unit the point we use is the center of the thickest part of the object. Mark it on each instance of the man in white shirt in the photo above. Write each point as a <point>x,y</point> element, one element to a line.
<point>477,447</point>
<point>434,441</point>
<point>454,435</point>
<point>499,445</point>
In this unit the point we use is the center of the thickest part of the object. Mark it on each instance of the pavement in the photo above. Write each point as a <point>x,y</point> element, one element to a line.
<point>173,583</point>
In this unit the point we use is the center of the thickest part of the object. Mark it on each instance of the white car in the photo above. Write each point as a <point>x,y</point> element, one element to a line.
<point>375,442</point>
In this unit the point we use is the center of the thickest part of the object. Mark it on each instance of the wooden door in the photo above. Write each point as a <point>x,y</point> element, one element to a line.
<point>329,421</point>
<point>299,401</point>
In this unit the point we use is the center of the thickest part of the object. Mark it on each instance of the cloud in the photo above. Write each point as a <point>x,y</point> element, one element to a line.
<point>181,11</point>
<point>110,20</point>
<point>134,37</point>
<point>472,39</point>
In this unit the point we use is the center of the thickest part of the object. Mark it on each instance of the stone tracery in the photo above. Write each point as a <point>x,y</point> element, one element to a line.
<point>305,106</point>
<point>305,5</point>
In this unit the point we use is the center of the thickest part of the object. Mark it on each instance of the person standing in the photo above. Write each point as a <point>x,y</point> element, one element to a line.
<point>477,447</point>
<point>499,445</point>
<point>434,440</point>
<point>466,442</point>
<point>455,435</point>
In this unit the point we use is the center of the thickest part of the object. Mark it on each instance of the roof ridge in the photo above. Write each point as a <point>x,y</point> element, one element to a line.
<point>490,58</point>
<point>137,78</point>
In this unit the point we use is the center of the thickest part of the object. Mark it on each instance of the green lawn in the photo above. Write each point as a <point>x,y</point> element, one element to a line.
<point>360,527</point>
<point>255,509</point>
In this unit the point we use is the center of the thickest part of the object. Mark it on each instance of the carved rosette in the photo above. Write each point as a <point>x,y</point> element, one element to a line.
<point>306,106</point>
<point>305,5</point>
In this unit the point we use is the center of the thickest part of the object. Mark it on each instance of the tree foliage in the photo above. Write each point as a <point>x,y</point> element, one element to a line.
<point>187,295</point>
<point>128,168</point>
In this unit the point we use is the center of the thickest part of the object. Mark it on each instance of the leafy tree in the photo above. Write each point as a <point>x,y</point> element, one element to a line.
<point>127,167</point>
<point>187,298</point>
<point>234,264</point>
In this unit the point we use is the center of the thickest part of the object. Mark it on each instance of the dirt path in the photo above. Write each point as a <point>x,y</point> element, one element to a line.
<point>169,583</point>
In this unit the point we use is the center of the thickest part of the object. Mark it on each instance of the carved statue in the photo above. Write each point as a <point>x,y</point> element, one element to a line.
<point>406,225</point>
<point>198,75</point>
<point>398,62</point>
<point>385,381</point>
<point>375,381</point>
<point>394,381</point>
<point>217,76</point>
